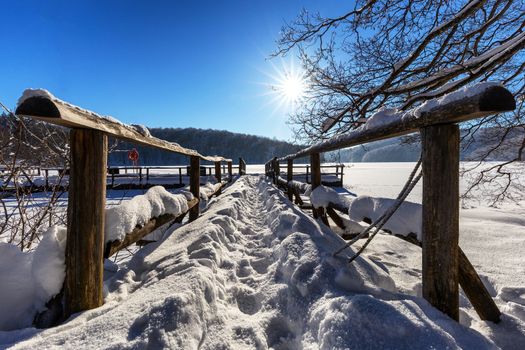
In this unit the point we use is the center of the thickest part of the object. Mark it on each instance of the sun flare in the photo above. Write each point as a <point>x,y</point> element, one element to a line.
<point>288,86</point>
<point>291,87</point>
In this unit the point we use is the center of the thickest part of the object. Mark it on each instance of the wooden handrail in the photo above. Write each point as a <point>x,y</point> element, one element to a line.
<point>492,100</point>
<point>54,111</point>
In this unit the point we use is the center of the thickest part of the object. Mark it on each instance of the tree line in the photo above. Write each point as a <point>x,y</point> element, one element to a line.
<point>253,149</point>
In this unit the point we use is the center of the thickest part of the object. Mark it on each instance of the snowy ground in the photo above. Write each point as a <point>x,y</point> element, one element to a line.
<point>256,272</point>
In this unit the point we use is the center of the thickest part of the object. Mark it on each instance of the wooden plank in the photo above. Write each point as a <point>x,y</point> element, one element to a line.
<point>490,101</point>
<point>441,217</point>
<point>57,112</point>
<point>195,181</point>
<point>140,232</point>
<point>85,221</point>
<point>475,290</point>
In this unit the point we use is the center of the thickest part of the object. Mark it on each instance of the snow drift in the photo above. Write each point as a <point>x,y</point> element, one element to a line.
<point>253,272</point>
<point>29,280</point>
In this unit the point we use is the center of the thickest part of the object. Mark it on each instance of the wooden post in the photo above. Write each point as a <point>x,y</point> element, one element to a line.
<point>195,183</point>
<point>441,217</point>
<point>307,170</point>
<point>47,179</point>
<point>180,176</point>
<point>289,177</point>
<point>276,170</point>
<point>147,175</point>
<point>230,171</point>
<point>315,162</point>
<point>218,175</point>
<point>85,221</point>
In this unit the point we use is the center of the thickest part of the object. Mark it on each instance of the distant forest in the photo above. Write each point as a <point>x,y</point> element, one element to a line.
<point>253,149</point>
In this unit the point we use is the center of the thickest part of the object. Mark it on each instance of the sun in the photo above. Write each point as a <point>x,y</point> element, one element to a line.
<point>291,87</point>
<point>288,86</point>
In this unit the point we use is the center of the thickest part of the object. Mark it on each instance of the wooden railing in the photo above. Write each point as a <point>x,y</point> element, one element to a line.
<point>85,248</point>
<point>335,170</point>
<point>444,264</point>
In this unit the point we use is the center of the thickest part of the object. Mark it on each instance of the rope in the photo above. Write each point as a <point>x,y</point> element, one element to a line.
<point>378,228</point>
<point>379,222</point>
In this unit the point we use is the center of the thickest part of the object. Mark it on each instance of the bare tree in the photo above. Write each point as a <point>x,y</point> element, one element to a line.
<point>403,52</point>
<point>26,148</point>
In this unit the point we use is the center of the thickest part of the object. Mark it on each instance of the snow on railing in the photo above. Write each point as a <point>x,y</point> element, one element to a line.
<point>468,103</point>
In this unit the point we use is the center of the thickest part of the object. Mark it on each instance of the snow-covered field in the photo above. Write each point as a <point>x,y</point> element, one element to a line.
<point>254,272</point>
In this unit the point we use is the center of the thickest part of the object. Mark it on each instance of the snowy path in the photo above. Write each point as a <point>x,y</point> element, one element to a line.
<point>254,272</point>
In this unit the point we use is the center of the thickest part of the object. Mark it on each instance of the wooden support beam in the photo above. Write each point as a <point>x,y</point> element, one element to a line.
<point>475,290</point>
<point>441,217</point>
<point>195,183</point>
<point>472,285</point>
<point>335,217</point>
<point>85,221</point>
<point>230,171</point>
<point>289,177</point>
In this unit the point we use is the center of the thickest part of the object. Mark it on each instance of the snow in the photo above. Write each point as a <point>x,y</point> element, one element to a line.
<point>28,93</point>
<point>255,272</point>
<point>407,218</point>
<point>382,118</point>
<point>123,218</point>
<point>464,92</point>
<point>302,187</point>
<point>29,280</point>
<point>141,129</point>
<point>323,196</point>
<point>207,191</point>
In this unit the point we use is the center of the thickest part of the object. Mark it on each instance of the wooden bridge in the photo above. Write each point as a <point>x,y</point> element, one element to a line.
<point>444,264</point>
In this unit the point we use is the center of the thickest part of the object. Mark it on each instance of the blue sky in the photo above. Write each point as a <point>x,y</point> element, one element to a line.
<point>197,64</point>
